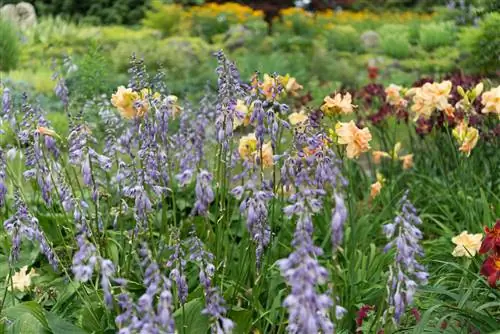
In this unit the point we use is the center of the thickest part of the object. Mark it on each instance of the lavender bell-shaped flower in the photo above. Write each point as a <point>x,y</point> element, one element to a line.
<point>3,180</point>
<point>177,261</point>
<point>214,301</point>
<point>229,90</point>
<point>254,208</point>
<point>144,316</point>
<point>308,309</point>
<point>23,224</point>
<point>339,216</point>
<point>406,273</point>
<point>204,193</point>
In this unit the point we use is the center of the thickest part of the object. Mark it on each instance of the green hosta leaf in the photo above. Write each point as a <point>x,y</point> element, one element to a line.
<point>191,317</point>
<point>27,324</point>
<point>243,320</point>
<point>59,325</point>
<point>29,316</point>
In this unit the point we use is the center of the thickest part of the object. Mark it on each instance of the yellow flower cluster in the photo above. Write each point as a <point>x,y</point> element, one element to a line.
<point>466,136</point>
<point>356,139</point>
<point>393,95</point>
<point>349,17</point>
<point>132,104</point>
<point>491,101</point>
<point>429,97</point>
<point>270,85</point>
<point>230,11</point>
<point>248,150</point>
<point>338,105</point>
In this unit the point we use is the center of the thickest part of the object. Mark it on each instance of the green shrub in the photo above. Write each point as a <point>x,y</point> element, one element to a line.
<point>328,66</point>
<point>483,45</point>
<point>165,18</point>
<point>39,79</point>
<point>343,38</point>
<point>185,61</point>
<point>9,47</point>
<point>414,33</point>
<point>92,76</point>
<point>394,40</point>
<point>396,46</point>
<point>435,35</point>
<point>91,11</point>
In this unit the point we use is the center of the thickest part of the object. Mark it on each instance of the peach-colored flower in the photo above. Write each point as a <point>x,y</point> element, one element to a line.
<point>247,146</point>
<point>269,87</point>
<point>267,155</point>
<point>357,140</point>
<point>440,93</point>
<point>375,189</point>
<point>297,117</point>
<point>378,155</point>
<point>22,279</point>
<point>172,101</point>
<point>393,95</point>
<point>449,111</point>
<point>407,161</point>
<point>429,97</point>
<point>491,101</point>
<point>290,84</point>
<point>467,244</point>
<point>46,131</point>
<point>338,105</point>
<point>466,136</point>
<point>123,100</point>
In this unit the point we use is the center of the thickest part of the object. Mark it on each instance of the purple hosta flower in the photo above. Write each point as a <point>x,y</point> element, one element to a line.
<point>144,316</point>
<point>257,117</point>
<point>143,203</point>
<point>406,273</point>
<point>65,193</point>
<point>191,138</point>
<point>112,126</point>
<point>85,259</point>
<point>78,139</point>
<point>6,103</point>
<point>139,77</point>
<point>185,177</point>
<point>204,193</point>
<point>61,91</point>
<point>229,90</point>
<point>308,309</point>
<point>23,224</point>
<point>102,161</point>
<point>28,123</point>
<point>339,216</point>
<point>254,207</point>
<point>177,261</point>
<point>107,271</point>
<point>214,301</point>
<point>3,179</point>
<point>216,310</point>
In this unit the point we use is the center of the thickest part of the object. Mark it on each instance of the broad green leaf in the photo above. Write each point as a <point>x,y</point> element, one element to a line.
<point>243,320</point>
<point>27,324</point>
<point>31,309</point>
<point>191,317</point>
<point>59,325</point>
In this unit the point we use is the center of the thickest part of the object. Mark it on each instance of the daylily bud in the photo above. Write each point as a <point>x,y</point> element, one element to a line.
<point>47,132</point>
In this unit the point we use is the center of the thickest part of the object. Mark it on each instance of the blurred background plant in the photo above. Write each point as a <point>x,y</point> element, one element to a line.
<point>9,46</point>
